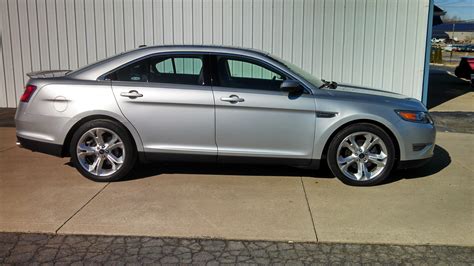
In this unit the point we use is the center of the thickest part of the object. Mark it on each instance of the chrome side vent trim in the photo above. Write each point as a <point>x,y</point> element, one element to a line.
<point>419,146</point>
<point>323,114</point>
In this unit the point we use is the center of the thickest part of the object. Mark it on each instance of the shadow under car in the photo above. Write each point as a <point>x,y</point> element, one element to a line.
<point>440,160</point>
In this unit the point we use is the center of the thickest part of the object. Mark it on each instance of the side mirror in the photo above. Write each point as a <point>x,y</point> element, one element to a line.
<point>292,87</point>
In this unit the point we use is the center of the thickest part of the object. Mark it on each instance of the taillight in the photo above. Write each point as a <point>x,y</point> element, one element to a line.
<point>29,90</point>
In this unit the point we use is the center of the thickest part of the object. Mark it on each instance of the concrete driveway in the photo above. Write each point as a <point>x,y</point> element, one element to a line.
<point>430,205</point>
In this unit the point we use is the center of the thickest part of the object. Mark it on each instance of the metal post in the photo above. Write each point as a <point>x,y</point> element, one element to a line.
<point>426,69</point>
<point>451,53</point>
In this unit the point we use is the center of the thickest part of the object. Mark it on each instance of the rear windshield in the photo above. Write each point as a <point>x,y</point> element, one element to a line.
<point>81,69</point>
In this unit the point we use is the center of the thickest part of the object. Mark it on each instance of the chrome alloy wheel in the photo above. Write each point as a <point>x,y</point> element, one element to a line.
<point>362,156</point>
<point>100,151</point>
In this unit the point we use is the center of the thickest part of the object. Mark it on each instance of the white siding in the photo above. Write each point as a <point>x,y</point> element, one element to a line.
<point>378,43</point>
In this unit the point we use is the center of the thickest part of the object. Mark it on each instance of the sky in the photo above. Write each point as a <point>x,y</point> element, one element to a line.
<point>463,9</point>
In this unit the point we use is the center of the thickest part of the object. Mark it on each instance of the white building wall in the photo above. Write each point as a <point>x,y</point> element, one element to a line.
<point>378,43</point>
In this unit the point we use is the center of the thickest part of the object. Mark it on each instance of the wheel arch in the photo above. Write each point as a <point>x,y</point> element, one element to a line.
<point>67,140</point>
<point>392,135</point>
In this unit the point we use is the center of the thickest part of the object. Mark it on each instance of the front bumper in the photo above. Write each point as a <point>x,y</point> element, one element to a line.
<point>417,141</point>
<point>39,146</point>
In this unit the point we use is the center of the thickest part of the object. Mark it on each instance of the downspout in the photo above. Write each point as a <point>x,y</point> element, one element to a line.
<point>426,70</point>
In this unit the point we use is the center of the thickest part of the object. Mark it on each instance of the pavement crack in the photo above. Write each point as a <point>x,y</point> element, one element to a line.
<point>309,209</point>
<point>82,207</point>
<point>7,149</point>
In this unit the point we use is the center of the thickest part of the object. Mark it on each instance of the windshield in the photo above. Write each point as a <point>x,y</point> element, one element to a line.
<point>300,72</point>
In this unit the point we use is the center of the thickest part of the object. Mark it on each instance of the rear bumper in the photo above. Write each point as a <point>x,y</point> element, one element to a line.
<point>39,146</point>
<point>48,129</point>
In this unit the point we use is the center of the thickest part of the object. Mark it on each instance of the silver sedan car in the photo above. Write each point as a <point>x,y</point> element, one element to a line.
<point>218,104</point>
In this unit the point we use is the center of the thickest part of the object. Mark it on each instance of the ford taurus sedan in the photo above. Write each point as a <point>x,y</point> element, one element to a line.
<point>218,104</point>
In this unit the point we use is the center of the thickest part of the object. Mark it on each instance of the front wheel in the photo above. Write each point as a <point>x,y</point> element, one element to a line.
<point>102,150</point>
<point>361,155</point>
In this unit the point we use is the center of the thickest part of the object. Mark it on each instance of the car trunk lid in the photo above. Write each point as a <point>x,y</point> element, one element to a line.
<point>48,74</point>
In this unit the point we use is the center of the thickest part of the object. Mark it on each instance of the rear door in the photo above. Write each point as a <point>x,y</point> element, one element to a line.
<point>168,100</point>
<point>255,120</point>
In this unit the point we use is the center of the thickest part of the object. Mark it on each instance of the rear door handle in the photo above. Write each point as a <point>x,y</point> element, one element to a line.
<point>131,94</point>
<point>232,99</point>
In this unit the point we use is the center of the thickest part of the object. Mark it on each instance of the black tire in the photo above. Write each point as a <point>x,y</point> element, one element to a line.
<point>361,127</point>
<point>117,128</point>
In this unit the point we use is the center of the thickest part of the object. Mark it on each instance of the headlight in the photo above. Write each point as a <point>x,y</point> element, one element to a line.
<point>415,116</point>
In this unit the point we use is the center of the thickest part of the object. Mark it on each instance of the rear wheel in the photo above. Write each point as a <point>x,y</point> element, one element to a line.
<point>361,155</point>
<point>102,150</point>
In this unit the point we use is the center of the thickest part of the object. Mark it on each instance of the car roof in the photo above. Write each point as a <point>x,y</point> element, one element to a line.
<point>94,70</point>
<point>206,48</point>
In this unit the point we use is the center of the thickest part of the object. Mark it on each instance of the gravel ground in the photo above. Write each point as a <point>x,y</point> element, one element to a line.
<point>23,248</point>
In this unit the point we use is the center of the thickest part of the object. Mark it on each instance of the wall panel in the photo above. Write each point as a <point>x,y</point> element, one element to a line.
<point>348,41</point>
<point>3,86</point>
<point>62,34</point>
<point>17,63</point>
<point>101,41</point>
<point>376,43</point>
<point>196,6</point>
<point>8,67</point>
<point>53,44</point>
<point>71,35</point>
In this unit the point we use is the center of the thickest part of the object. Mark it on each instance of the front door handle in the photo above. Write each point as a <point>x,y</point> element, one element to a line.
<point>232,99</point>
<point>131,94</point>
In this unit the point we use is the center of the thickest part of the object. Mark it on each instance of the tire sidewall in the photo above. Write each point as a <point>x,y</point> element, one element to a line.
<point>336,141</point>
<point>130,149</point>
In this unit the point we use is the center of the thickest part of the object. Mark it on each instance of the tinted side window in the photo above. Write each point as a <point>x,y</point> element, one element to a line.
<point>165,66</point>
<point>188,66</point>
<point>134,72</point>
<point>240,69</point>
<point>163,69</point>
<point>243,73</point>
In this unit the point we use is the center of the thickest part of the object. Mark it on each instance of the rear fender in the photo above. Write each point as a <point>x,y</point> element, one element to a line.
<point>101,114</point>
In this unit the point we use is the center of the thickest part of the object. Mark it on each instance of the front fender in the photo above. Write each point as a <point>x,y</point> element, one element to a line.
<point>327,127</point>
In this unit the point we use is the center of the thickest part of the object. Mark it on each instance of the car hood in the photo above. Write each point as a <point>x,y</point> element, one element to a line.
<point>361,94</point>
<point>370,91</point>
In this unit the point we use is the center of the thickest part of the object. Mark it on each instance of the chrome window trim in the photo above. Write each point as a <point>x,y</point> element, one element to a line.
<point>102,77</point>
<point>271,65</point>
<point>264,61</point>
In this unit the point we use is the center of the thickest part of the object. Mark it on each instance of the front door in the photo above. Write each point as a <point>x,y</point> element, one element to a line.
<point>255,120</point>
<point>167,100</point>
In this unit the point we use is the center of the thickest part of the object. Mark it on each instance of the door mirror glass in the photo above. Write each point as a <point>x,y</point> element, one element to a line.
<point>292,87</point>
